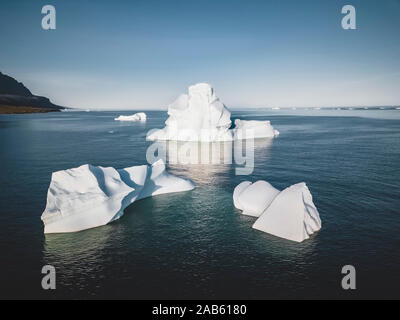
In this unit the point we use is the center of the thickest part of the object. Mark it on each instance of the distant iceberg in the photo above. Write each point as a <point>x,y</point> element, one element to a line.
<point>89,196</point>
<point>201,116</point>
<point>140,116</point>
<point>289,214</point>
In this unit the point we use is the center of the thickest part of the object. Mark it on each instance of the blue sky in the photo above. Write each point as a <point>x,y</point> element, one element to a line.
<point>143,54</point>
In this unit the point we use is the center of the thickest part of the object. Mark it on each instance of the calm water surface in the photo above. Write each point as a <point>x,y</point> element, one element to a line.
<point>196,244</point>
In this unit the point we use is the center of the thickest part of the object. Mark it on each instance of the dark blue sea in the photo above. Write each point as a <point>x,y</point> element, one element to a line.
<point>196,245</point>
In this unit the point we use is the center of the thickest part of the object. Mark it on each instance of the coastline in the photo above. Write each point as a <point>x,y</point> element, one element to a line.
<point>7,109</point>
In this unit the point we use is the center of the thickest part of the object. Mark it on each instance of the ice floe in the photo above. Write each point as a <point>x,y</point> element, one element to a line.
<point>140,116</point>
<point>201,116</point>
<point>253,129</point>
<point>289,214</point>
<point>90,196</point>
<point>253,198</point>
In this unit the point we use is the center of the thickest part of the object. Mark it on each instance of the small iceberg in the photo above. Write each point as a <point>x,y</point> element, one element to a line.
<point>253,198</point>
<point>89,196</point>
<point>258,129</point>
<point>201,116</point>
<point>140,116</point>
<point>289,214</point>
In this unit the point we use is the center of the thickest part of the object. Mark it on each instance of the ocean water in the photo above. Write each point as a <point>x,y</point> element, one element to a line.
<point>196,244</point>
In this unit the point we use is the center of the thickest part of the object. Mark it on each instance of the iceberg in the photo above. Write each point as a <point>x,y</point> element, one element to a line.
<point>196,116</point>
<point>253,129</point>
<point>253,198</point>
<point>289,214</point>
<point>89,196</point>
<point>201,116</point>
<point>140,116</point>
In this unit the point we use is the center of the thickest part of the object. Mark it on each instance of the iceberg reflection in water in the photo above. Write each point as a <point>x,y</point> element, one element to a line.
<point>209,157</point>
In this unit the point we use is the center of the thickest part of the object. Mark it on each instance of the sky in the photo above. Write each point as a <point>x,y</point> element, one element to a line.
<point>143,54</point>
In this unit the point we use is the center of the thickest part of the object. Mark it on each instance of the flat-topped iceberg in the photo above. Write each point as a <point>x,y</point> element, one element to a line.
<point>248,129</point>
<point>140,116</point>
<point>89,196</point>
<point>201,116</point>
<point>289,214</point>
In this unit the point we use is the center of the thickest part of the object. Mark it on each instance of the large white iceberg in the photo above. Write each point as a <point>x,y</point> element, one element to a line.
<point>201,116</point>
<point>140,116</point>
<point>89,196</point>
<point>289,214</point>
